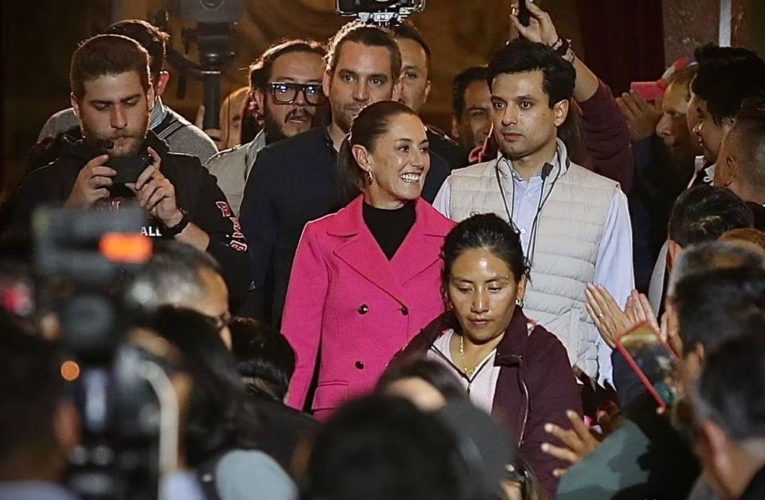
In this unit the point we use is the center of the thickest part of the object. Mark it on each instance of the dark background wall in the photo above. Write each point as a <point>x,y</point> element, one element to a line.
<point>623,40</point>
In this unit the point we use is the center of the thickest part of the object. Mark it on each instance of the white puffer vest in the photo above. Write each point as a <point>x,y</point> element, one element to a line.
<point>569,232</point>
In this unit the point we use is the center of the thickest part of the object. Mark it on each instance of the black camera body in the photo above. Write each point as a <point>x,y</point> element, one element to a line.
<point>128,167</point>
<point>211,11</point>
<point>381,12</point>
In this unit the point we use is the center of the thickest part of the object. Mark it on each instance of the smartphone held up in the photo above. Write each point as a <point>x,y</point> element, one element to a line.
<point>654,362</point>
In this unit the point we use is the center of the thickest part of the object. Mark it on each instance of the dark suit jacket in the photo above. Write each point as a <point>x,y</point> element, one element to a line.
<point>294,182</point>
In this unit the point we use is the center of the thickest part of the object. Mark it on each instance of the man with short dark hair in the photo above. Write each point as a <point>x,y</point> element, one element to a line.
<point>295,181</point>
<point>574,224</point>
<point>415,89</point>
<point>741,162</point>
<point>730,441</point>
<point>471,107</point>
<point>726,77</point>
<point>285,86</point>
<point>179,275</point>
<point>703,214</point>
<point>112,95</point>
<point>179,133</point>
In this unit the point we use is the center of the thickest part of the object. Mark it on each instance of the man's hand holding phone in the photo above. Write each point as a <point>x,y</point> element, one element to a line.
<point>92,183</point>
<point>540,28</point>
<point>156,194</point>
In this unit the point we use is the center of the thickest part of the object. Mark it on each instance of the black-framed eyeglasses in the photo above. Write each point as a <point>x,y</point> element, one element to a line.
<point>288,92</point>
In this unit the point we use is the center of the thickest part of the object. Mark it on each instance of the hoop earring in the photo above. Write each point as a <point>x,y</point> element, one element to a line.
<point>370,177</point>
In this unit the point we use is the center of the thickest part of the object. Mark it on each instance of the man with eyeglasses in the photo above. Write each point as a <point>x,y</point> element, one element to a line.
<point>285,89</point>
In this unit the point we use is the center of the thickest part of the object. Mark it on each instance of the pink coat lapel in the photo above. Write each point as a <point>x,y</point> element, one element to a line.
<point>418,252</point>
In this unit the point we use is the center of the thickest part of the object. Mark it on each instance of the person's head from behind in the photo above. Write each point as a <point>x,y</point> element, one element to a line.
<point>215,414</point>
<point>285,86</point>
<point>673,125</point>
<point>730,413</point>
<point>752,239</point>
<point>38,428</point>
<point>363,67</point>
<point>182,276</point>
<point>741,162</point>
<point>703,214</point>
<point>726,77</point>
<point>415,65</point>
<point>151,38</point>
<point>112,93</point>
<point>471,107</point>
<point>426,383</point>
<point>264,358</point>
<point>380,448</point>
<point>714,304</point>
<point>530,88</point>
<point>385,156</point>
<point>484,276</point>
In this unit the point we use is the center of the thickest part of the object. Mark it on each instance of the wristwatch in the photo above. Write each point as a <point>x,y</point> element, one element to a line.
<point>178,228</point>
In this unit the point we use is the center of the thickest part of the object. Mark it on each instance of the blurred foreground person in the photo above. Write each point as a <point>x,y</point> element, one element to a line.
<point>38,425</point>
<point>218,424</point>
<point>425,382</point>
<point>383,448</point>
<point>730,415</point>
<point>266,363</point>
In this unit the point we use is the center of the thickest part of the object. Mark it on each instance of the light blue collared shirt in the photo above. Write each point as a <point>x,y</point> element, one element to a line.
<point>613,267</point>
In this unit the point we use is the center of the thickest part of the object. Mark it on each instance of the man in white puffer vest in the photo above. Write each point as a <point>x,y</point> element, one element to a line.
<point>574,224</point>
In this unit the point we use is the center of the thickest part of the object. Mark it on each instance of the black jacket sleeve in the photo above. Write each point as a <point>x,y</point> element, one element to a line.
<point>228,245</point>
<point>628,384</point>
<point>439,171</point>
<point>258,218</point>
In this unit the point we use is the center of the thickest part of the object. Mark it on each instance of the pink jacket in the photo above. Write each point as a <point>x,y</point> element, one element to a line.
<point>352,307</point>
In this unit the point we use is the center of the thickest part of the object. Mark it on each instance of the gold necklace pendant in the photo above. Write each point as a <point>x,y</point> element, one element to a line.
<point>467,371</point>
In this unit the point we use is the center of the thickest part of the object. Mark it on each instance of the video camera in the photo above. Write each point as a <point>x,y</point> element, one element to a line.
<point>215,24</point>
<point>380,12</point>
<point>125,400</point>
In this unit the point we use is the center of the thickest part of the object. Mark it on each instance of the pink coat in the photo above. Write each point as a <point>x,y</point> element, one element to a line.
<point>355,309</point>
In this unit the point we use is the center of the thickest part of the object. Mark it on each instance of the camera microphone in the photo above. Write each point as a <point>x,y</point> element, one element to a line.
<point>546,171</point>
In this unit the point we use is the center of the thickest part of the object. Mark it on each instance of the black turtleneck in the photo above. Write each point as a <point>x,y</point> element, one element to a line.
<point>389,227</point>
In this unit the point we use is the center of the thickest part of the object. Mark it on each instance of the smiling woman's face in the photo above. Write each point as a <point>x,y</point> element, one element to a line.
<point>399,163</point>
<point>483,290</point>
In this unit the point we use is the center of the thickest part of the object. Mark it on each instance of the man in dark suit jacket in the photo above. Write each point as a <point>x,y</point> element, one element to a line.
<point>295,181</point>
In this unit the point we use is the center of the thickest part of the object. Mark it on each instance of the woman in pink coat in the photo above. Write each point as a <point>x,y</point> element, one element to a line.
<point>365,280</point>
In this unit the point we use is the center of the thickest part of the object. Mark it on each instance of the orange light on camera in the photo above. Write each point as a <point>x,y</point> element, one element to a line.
<point>125,247</point>
<point>70,371</point>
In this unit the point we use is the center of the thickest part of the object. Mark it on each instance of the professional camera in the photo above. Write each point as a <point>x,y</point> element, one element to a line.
<point>380,12</point>
<point>129,431</point>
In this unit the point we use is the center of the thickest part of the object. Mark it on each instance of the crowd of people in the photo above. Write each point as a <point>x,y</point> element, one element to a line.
<point>351,303</point>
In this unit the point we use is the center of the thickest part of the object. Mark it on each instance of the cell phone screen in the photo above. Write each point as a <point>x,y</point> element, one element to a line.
<point>653,361</point>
